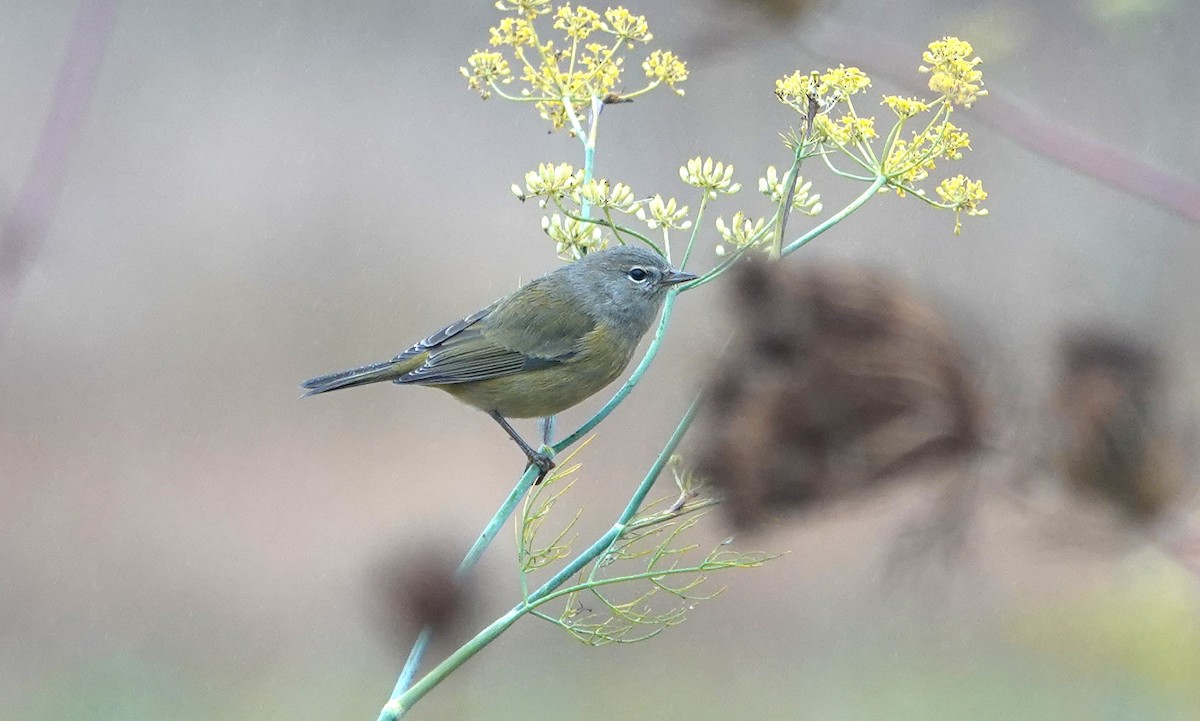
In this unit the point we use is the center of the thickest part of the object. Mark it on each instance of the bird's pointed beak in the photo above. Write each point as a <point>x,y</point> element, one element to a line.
<point>675,277</point>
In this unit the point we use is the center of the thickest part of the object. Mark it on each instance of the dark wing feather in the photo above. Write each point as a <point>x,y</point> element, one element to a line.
<point>445,334</point>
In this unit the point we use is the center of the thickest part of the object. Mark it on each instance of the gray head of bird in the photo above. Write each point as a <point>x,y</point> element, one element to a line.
<point>626,284</point>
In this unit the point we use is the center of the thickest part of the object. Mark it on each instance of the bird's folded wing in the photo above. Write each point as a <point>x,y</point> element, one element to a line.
<point>445,334</point>
<point>471,356</point>
<point>531,329</point>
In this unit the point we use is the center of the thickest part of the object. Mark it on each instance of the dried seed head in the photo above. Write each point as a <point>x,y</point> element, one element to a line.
<point>1115,440</point>
<point>421,588</point>
<point>839,379</point>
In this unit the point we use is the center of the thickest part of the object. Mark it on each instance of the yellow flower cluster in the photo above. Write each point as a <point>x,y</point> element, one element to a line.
<point>825,90</point>
<point>577,23</point>
<point>665,214</point>
<point>486,69</point>
<point>711,176</point>
<point>627,27</point>
<point>572,238</point>
<point>910,162</point>
<point>517,32</point>
<point>903,162</point>
<point>905,108</point>
<point>774,188</point>
<point>602,194</point>
<point>564,80</point>
<point>576,236</point>
<point>952,140</point>
<point>907,164</point>
<point>964,195</point>
<point>849,129</point>
<point>549,181</point>
<point>741,232</point>
<point>847,80</point>
<point>953,73</point>
<point>664,67</point>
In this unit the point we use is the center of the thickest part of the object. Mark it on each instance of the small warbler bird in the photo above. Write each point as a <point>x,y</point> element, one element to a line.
<point>549,345</point>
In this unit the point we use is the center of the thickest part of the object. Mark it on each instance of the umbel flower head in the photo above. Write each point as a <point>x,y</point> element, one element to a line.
<point>549,182</point>
<point>803,201</point>
<point>713,177</point>
<point>740,232</point>
<point>964,196</point>
<point>903,162</point>
<point>664,214</point>
<point>584,64</point>
<point>843,380</point>
<point>822,90</point>
<point>953,73</point>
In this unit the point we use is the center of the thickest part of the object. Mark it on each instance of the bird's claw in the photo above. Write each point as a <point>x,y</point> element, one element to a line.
<point>543,463</point>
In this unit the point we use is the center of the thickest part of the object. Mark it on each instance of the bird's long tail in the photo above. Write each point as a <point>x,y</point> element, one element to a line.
<point>374,373</point>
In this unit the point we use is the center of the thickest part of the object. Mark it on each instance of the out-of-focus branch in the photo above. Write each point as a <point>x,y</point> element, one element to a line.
<point>33,207</point>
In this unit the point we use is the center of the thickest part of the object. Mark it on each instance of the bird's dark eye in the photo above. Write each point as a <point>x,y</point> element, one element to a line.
<point>637,275</point>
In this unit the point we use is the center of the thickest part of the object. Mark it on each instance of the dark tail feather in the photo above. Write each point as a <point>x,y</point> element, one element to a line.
<point>373,373</point>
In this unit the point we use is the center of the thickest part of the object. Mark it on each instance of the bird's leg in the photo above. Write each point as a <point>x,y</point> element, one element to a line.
<point>541,460</point>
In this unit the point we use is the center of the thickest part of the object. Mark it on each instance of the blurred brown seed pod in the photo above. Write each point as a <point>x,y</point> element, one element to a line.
<point>418,588</point>
<point>837,379</point>
<point>1114,438</point>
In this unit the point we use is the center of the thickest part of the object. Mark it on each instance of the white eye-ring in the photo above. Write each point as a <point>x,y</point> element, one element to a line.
<point>638,275</point>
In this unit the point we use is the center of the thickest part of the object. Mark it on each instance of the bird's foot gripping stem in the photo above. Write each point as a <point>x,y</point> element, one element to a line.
<point>536,458</point>
<point>543,463</point>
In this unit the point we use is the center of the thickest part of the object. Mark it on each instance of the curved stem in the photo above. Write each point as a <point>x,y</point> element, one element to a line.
<point>629,384</point>
<point>642,91</point>
<point>837,217</point>
<point>619,229</point>
<point>469,560</point>
<point>890,142</point>
<point>715,272</point>
<point>829,164</point>
<point>516,98</point>
<point>687,251</point>
<point>585,209</point>
<point>785,206</point>
<point>614,227</point>
<point>398,706</point>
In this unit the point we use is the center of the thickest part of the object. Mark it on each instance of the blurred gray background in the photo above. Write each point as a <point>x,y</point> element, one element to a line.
<point>267,191</point>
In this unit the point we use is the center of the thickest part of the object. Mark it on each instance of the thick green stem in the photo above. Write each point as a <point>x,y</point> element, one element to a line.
<point>589,146</point>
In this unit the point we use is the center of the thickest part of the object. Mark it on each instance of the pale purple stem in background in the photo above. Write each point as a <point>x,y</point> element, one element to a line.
<point>33,207</point>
